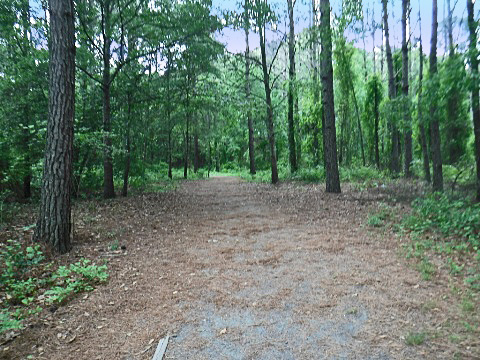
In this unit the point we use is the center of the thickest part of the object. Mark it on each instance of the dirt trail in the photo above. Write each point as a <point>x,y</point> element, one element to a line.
<point>236,270</point>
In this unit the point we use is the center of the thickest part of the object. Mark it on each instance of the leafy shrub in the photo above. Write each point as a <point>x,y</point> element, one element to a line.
<point>315,174</point>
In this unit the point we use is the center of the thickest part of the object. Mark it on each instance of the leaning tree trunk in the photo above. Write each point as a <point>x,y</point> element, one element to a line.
<point>251,138</point>
<point>54,225</point>
<point>326,69</point>
<point>268,98</point>
<point>406,110</point>
<point>472,27</point>
<point>395,160</point>
<point>434,123</point>
<point>291,90</point>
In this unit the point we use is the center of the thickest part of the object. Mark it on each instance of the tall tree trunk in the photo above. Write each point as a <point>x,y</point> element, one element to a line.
<point>329,133</point>
<point>359,123</point>
<point>196,155</point>
<point>376,105</point>
<point>291,90</point>
<point>316,88</point>
<point>185,160</point>
<point>268,98</point>
<point>373,41</point>
<point>108,187</point>
<point>450,29</point>
<point>395,160</point>
<point>365,73</point>
<point>170,176</point>
<point>169,113</point>
<point>54,225</point>
<point>251,136</point>
<point>472,27</point>
<point>126,171</point>
<point>434,123</point>
<point>421,121</point>
<point>406,111</point>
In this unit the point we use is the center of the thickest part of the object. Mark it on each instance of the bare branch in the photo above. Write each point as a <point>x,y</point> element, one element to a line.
<point>276,54</point>
<point>84,27</point>
<point>90,75</point>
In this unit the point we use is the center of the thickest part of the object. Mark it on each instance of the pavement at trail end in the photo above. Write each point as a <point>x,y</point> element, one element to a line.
<point>237,270</point>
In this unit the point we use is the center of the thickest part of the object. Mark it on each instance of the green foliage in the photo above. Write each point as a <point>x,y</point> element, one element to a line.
<point>452,218</point>
<point>456,225</point>
<point>28,282</point>
<point>426,268</point>
<point>415,338</point>
<point>456,128</point>
<point>8,321</point>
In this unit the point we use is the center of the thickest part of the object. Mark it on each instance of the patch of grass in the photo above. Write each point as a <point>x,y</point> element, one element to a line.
<point>426,268</point>
<point>352,311</point>
<point>429,306</point>
<point>375,221</point>
<point>467,305</point>
<point>455,338</point>
<point>115,245</point>
<point>415,338</point>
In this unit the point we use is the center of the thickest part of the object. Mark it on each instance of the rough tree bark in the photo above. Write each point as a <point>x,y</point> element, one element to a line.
<point>291,90</point>
<point>316,89</point>
<point>472,27</point>
<point>421,121</point>
<point>395,160</point>
<point>54,225</point>
<point>376,105</point>
<point>251,138</point>
<point>196,153</point>
<point>434,124</point>
<point>326,69</point>
<point>268,100</point>
<point>405,87</point>
<point>108,187</point>
<point>128,159</point>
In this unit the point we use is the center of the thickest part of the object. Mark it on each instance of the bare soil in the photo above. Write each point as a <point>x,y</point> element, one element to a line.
<point>237,270</point>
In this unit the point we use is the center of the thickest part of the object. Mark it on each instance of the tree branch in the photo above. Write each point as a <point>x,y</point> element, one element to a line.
<point>275,57</point>
<point>91,76</point>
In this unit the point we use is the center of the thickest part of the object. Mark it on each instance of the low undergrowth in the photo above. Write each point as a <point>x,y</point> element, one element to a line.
<point>449,228</point>
<point>29,283</point>
<point>441,237</point>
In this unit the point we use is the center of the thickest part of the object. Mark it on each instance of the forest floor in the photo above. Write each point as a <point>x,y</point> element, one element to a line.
<point>237,270</point>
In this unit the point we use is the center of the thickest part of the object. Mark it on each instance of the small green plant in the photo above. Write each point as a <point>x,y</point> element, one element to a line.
<point>9,322</point>
<point>115,245</point>
<point>375,221</point>
<point>426,268</point>
<point>454,268</point>
<point>27,282</point>
<point>467,305</point>
<point>415,338</point>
